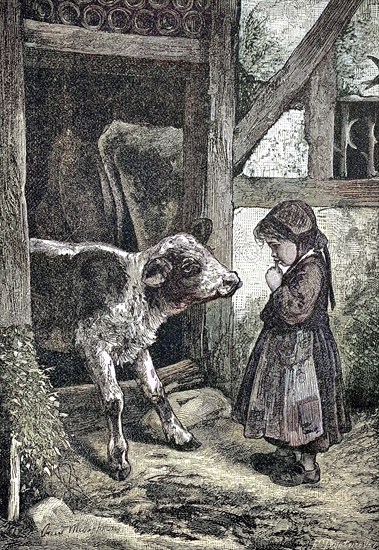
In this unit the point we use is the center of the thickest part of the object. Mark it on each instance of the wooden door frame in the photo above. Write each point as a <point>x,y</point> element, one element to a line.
<point>209,66</point>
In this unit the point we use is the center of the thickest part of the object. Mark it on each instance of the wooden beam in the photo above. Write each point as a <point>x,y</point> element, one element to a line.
<point>14,250</point>
<point>274,97</point>
<point>319,118</point>
<point>195,156</point>
<point>218,200</point>
<point>266,192</point>
<point>102,65</point>
<point>65,38</point>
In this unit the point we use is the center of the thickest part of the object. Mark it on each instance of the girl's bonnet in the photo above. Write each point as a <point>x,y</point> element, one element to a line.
<point>295,221</point>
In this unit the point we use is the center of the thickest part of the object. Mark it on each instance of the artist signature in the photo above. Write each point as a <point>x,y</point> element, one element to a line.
<point>52,531</point>
<point>345,545</point>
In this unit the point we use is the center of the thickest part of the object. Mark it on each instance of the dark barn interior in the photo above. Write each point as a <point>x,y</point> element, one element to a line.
<point>67,109</point>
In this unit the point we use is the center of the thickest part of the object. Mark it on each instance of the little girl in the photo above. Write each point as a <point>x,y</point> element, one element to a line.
<point>292,392</point>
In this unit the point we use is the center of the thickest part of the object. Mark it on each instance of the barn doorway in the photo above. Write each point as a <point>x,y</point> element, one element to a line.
<point>69,104</point>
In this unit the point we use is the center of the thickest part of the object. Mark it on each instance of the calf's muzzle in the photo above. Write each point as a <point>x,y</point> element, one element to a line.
<point>231,283</point>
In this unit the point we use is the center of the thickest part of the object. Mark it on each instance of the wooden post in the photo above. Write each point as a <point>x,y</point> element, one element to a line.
<point>195,143</point>
<point>195,152</point>
<point>15,482</point>
<point>219,194</point>
<point>14,254</point>
<point>319,119</point>
<point>14,244</point>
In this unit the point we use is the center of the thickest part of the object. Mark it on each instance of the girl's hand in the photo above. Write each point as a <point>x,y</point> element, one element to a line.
<point>274,277</point>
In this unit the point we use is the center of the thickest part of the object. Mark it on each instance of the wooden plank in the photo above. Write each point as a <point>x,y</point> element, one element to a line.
<point>372,141</point>
<point>218,200</point>
<point>274,97</point>
<point>65,38</point>
<point>101,64</point>
<point>14,253</point>
<point>359,99</point>
<point>195,145</point>
<point>15,481</point>
<point>266,192</point>
<point>345,131</point>
<point>319,118</point>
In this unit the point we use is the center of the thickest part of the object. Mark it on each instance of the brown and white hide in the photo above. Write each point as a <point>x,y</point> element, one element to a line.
<point>107,304</point>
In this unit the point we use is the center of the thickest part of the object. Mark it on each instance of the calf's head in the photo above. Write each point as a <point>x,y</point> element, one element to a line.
<point>183,272</point>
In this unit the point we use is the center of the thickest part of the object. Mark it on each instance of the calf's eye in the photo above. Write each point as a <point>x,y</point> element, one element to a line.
<point>190,267</point>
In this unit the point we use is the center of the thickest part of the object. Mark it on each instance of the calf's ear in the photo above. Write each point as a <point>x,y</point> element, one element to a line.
<point>156,272</point>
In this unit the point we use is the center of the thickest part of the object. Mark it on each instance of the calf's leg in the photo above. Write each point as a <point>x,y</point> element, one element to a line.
<point>103,374</point>
<point>176,434</point>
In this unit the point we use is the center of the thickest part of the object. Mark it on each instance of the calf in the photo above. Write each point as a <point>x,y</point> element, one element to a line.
<point>107,304</point>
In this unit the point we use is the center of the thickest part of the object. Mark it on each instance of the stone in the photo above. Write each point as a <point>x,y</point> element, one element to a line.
<point>192,407</point>
<point>50,511</point>
<point>55,520</point>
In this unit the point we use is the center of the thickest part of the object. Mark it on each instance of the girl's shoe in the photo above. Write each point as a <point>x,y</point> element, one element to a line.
<point>296,474</point>
<point>268,463</point>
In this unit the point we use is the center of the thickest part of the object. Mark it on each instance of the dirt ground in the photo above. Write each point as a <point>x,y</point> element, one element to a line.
<point>212,498</point>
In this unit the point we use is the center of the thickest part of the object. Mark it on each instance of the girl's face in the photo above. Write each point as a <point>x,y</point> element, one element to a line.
<point>282,251</point>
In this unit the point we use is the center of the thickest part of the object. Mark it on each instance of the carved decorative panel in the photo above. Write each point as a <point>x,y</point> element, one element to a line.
<point>356,138</point>
<point>189,18</point>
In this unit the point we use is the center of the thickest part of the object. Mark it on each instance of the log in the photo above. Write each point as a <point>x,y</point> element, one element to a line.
<point>84,411</point>
<point>180,374</point>
<point>274,97</point>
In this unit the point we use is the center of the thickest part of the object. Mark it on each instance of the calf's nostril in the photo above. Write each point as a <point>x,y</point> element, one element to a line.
<point>232,279</point>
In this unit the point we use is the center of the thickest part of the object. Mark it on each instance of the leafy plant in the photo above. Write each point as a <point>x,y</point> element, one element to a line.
<point>359,347</point>
<point>261,53</point>
<point>29,408</point>
<point>357,41</point>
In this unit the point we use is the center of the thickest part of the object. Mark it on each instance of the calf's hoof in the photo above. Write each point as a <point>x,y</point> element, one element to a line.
<point>190,445</point>
<point>120,474</point>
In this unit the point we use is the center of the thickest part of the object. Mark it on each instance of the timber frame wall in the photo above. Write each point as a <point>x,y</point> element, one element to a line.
<point>309,72</point>
<point>319,188</point>
<point>208,65</point>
